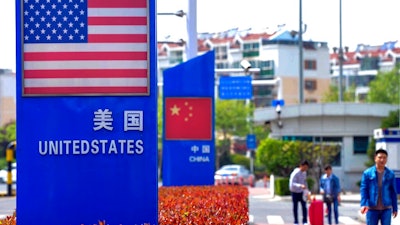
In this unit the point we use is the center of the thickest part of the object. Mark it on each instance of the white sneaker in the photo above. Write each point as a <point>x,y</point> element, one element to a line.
<point>305,224</point>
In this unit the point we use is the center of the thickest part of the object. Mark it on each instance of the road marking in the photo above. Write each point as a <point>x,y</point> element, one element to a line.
<point>275,220</point>
<point>347,220</point>
<point>251,219</point>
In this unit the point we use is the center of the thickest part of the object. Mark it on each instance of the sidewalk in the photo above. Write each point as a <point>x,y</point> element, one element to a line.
<point>262,192</point>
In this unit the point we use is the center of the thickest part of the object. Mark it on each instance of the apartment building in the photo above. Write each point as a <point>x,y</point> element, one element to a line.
<point>276,55</point>
<point>361,65</point>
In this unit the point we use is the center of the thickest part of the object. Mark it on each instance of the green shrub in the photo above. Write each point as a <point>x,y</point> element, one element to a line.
<point>241,160</point>
<point>282,185</point>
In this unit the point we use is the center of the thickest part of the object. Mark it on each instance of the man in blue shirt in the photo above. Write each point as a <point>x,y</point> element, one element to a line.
<point>330,189</point>
<point>378,191</point>
<point>297,185</point>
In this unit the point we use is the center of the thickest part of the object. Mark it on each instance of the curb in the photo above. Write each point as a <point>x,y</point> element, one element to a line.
<point>5,194</point>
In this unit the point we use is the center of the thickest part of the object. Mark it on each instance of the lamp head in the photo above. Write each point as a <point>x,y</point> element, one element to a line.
<point>245,65</point>
<point>278,109</point>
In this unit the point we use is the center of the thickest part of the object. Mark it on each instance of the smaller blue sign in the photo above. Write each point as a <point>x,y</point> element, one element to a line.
<point>238,87</point>
<point>276,102</point>
<point>251,141</point>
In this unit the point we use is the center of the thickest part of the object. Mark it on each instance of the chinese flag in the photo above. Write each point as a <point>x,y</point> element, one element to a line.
<point>188,118</point>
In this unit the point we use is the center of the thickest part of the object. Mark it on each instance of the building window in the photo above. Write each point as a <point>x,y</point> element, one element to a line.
<point>360,144</point>
<point>221,52</point>
<point>255,46</point>
<point>266,68</point>
<point>175,57</point>
<point>251,49</point>
<point>310,64</point>
<point>310,85</point>
<point>369,63</point>
<point>397,61</point>
<point>221,65</point>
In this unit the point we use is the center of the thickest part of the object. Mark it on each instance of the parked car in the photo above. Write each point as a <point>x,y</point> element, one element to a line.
<point>234,174</point>
<point>4,174</point>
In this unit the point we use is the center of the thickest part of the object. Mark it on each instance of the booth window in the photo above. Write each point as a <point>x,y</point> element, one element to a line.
<point>360,144</point>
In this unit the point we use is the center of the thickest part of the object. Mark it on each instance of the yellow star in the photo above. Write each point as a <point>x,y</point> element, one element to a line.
<point>175,110</point>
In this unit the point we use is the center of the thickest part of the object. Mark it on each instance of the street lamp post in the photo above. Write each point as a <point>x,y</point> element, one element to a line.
<point>340,54</point>
<point>301,97</point>
<point>191,27</point>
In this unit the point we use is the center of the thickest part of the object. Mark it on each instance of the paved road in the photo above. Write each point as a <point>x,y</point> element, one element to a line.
<point>7,204</point>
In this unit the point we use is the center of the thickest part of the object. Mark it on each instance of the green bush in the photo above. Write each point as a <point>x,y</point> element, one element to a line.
<point>282,185</point>
<point>241,160</point>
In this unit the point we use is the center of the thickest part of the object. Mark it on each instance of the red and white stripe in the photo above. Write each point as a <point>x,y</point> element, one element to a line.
<point>114,61</point>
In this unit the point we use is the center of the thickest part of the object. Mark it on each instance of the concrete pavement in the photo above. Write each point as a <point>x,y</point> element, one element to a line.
<point>263,192</point>
<point>348,197</point>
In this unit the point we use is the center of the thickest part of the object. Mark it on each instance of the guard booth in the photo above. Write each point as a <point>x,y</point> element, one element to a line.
<point>389,139</point>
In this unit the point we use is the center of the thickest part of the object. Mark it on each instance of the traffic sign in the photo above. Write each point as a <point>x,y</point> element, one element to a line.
<point>235,87</point>
<point>251,141</point>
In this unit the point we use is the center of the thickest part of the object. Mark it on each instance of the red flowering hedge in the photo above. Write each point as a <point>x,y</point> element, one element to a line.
<point>196,205</point>
<point>223,204</point>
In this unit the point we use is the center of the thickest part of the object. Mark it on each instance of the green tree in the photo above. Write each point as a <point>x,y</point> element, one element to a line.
<point>231,118</point>
<point>240,159</point>
<point>7,135</point>
<point>385,88</point>
<point>277,158</point>
<point>332,95</point>
<point>281,157</point>
<point>391,121</point>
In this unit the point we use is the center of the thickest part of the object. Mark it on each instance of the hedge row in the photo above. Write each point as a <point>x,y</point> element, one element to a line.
<point>186,205</point>
<point>223,204</point>
<point>282,185</point>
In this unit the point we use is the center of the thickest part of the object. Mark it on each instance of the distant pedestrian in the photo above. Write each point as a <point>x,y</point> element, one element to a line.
<point>297,185</point>
<point>378,191</point>
<point>330,190</point>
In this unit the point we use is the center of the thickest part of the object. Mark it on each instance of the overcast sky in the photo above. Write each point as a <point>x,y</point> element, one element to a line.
<point>363,21</point>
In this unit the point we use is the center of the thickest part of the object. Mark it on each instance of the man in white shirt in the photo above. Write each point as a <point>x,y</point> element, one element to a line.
<point>297,185</point>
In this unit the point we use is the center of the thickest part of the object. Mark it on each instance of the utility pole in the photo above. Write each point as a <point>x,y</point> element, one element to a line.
<point>340,54</point>
<point>191,26</point>
<point>301,85</point>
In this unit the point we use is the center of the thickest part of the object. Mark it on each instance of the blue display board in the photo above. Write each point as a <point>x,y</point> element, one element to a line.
<point>87,113</point>
<point>251,141</point>
<point>188,134</point>
<point>235,87</point>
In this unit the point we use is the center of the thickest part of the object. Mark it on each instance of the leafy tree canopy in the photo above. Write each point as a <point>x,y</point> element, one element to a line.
<point>332,95</point>
<point>385,88</point>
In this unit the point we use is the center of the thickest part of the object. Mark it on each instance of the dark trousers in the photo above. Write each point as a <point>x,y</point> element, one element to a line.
<point>335,204</point>
<point>296,198</point>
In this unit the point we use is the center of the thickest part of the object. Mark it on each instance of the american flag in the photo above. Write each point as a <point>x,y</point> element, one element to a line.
<point>85,47</point>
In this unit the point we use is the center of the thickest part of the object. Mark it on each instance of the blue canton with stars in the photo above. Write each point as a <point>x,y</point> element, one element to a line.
<point>55,21</point>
